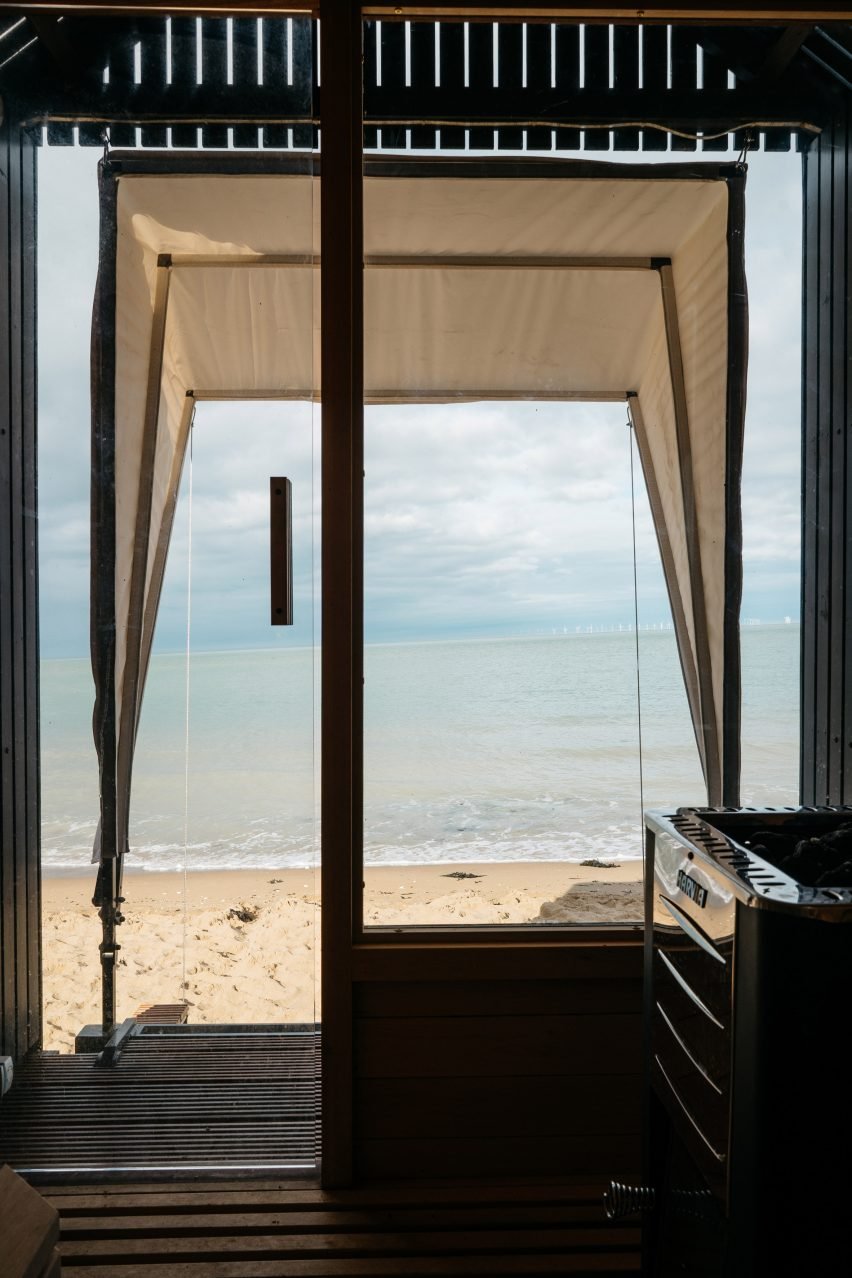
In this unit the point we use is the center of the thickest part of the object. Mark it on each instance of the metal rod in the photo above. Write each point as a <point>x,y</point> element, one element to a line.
<point>436,396</point>
<point>410,262</point>
<point>110,910</point>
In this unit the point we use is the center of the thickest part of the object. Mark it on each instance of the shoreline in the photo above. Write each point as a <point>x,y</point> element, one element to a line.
<point>244,945</point>
<point>87,872</point>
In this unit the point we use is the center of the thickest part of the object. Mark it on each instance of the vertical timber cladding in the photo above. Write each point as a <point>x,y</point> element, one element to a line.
<point>20,888</point>
<point>826,686</point>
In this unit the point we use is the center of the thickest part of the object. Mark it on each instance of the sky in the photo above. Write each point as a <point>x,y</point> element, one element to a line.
<point>480,519</point>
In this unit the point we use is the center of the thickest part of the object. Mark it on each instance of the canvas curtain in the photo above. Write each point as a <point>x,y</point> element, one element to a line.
<point>560,281</point>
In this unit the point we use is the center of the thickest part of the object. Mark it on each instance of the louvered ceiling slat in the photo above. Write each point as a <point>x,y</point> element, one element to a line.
<point>422,38</point>
<point>510,77</point>
<point>625,65</point>
<point>776,79</point>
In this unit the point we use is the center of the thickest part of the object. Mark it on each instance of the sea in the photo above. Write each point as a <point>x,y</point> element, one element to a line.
<point>537,748</point>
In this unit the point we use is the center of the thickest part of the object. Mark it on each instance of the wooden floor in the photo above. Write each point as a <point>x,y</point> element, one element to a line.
<point>246,1230</point>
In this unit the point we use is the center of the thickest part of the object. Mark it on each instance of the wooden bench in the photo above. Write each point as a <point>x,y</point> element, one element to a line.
<point>29,1228</point>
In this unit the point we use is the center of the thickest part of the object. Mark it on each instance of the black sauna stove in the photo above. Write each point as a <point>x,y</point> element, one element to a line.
<point>748,1042</point>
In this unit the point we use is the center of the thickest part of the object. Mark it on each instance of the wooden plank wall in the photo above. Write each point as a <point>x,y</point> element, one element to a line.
<point>826,723</point>
<point>20,900</point>
<point>506,1060</point>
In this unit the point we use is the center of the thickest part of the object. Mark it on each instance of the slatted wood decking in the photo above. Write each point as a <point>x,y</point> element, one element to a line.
<point>265,1230</point>
<point>180,1099</point>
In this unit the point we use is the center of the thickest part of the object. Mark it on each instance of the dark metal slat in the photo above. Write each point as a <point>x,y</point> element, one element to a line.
<point>154,76</point>
<point>451,71</point>
<point>184,77</point>
<point>539,44</point>
<point>835,723</point>
<point>60,133</point>
<point>90,134</point>
<point>392,48</point>
<point>303,87</point>
<point>596,68</point>
<point>510,76</point>
<point>626,79</point>
<point>124,135</point>
<point>276,54</point>
<point>244,55</point>
<point>777,140</point>
<point>826,373</point>
<point>715,76</point>
<point>567,53</point>
<point>422,60</point>
<point>214,70</point>
<point>480,78</point>
<point>29,762</point>
<point>371,61</point>
<point>684,74</point>
<point>655,71</point>
<point>20,1004</point>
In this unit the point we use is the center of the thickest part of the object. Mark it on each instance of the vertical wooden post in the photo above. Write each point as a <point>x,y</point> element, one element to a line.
<point>342,554</point>
<point>826,660</point>
<point>20,881</point>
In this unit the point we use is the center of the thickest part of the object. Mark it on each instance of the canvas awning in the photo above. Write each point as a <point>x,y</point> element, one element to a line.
<point>534,280</point>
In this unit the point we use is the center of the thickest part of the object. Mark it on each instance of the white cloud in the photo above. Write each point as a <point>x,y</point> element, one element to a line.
<point>482,515</point>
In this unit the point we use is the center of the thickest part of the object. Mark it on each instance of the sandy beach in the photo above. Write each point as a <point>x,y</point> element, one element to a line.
<point>246,942</point>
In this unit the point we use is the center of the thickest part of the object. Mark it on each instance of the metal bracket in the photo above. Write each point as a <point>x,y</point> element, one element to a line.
<point>108,1058</point>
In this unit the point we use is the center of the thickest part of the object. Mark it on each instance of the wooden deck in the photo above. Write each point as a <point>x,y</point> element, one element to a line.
<point>263,1230</point>
<point>180,1100</point>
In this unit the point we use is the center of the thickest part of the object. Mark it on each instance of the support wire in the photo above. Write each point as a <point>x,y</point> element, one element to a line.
<point>186,713</point>
<point>630,438</point>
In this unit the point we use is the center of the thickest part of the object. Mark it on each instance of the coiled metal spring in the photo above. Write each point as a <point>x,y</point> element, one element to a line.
<point>625,1200</point>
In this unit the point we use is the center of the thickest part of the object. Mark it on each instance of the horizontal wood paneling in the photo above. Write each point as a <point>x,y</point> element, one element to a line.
<point>496,998</point>
<point>503,958</point>
<point>497,1046</point>
<point>439,1108</point>
<point>531,1077</point>
<point>606,1156</point>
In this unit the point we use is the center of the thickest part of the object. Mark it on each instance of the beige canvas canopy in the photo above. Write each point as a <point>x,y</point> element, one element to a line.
<point>534,280</point>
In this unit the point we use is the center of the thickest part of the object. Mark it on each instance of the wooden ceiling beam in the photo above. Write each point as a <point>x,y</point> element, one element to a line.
<point>752,57</point>
<point>547,10</point>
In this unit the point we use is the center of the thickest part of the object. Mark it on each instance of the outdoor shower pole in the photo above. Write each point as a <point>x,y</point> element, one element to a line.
<point>109,900</point>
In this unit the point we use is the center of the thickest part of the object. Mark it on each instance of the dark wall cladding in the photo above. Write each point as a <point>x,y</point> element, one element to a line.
<point>20,894</point>
<point>249,82</point>
<point>827,471</point>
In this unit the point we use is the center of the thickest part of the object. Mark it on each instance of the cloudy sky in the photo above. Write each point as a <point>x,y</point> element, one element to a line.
<point>483,519</point>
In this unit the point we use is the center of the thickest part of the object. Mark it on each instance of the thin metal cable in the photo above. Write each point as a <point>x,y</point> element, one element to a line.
<point>630,438</point>
<point>186,713</point>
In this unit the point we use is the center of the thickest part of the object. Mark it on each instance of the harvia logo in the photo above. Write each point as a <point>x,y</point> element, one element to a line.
<point>692,888</point>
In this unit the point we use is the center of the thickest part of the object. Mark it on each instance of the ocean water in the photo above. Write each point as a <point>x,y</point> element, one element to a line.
<point>475,750</point>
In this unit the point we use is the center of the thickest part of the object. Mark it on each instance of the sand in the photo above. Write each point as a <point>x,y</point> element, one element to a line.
<point>245,946</point>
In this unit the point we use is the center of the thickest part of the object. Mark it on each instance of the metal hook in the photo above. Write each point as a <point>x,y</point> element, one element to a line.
<point>748,142</point>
